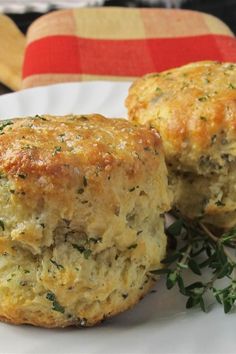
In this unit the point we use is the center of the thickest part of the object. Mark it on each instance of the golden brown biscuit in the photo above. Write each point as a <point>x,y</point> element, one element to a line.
<point>81,221</point>
<point>194,109</point>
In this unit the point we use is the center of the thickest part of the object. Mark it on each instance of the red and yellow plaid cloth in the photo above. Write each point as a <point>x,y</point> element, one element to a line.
<point>120,43</point>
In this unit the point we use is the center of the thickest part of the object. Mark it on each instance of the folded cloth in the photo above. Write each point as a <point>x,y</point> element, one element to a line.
<point>120,43</point>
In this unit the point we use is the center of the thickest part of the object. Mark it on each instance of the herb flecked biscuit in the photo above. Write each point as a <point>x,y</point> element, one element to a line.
<point>194,109</point>
<point>81,217</point>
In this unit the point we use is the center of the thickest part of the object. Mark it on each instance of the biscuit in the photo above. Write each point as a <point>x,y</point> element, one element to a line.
<point>81,218</point>
<point>194,109</point>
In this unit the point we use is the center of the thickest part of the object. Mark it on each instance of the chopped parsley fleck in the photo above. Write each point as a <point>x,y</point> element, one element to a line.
<point>50,296</point>
<point>203,98</point>
<point>84,118</point>
<point>23,283</point>
<point>219,203</point>
<point>117,210</point>
<point>85,182</point>
<point>95,239</point>
<point>224,141</point>
<point>230,67</point>
<point>40,117</point>
<point>132,246</point>
<point>85,251</point>
<point>232,86</point>
<point>12,276</point>
<point>213,139</point>
<point>154,75</point>
<point>22,175</point>
<point>56,150</point>
<point>26,271</point>
<point>59,266</point>
<point>55,304</point>
<point>158,90</point>
<point>26,147</point>
<point>5,124</point>
<point>2,225</point>
<point>84,201</point>
<point>61,136</point>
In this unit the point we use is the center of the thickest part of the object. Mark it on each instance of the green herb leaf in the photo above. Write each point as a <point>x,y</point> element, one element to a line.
<point>55,304</point>
<point>85,251</point>
<point>194,267</point>
<point>57,149</point>
<point>203,98</point>
<point>59,266</point>
<point>22,175</point>
<point>5,124</point>
<point>171,279</point>
<point>175,228</point>
<point>132,246</point>
<point>80,191</point>
<point>85,182</point>
<point>2,225</point>
<point>198,248</point>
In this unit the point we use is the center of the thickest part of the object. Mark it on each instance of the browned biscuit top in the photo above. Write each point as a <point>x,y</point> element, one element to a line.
<point>193,107</point>
<point>67,146</point>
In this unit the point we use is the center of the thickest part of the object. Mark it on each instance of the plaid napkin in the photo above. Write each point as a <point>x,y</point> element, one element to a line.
<point>120,43</point>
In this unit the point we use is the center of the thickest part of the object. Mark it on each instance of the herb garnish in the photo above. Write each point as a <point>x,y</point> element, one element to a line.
<point>40,117</point>
<point>85,251</point>
<point>132,246</point>
<point>56,150</point>
<point>95,239</point>
<point>219,203</point>
<point>22,175</point>
<point>158,90</point>
<point>2,225</point>
<point>197,249</point>
<point>55,304</point>
<point>203,98</point>
<point>59,266</point>
<point>5,124</point>
<point>85,182</point>
<point>232,86</point>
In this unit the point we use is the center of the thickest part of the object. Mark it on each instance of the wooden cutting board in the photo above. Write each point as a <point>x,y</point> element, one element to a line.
<point>12,44</point>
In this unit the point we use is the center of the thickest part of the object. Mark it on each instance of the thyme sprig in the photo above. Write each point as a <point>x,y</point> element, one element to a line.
<point>196,249</point>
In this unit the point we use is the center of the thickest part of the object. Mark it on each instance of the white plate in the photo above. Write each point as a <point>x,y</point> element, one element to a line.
<point>159,323</point>
<point>22,6</point>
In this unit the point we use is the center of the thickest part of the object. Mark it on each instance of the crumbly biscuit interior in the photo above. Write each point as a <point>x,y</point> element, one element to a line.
<point>75,258</point>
